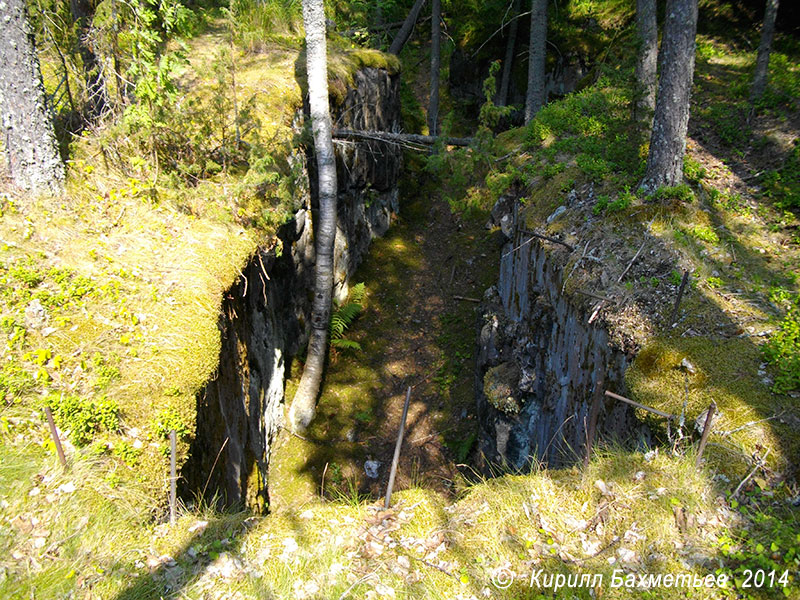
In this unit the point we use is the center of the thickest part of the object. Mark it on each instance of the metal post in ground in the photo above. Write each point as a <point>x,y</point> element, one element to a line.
<point>706,431</point>
<point>54,432</point>
<point>397,447</point>
<point>172,477</point>
<point>598,398</point>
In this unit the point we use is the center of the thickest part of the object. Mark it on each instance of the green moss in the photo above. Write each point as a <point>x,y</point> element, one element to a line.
<point>498,387</point>
<point>726,372</point>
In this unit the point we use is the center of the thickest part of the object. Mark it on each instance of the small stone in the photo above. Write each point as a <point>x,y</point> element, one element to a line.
<point>688,366</point>
<point>556,213</point>
<point>372,468</point>
<point>198,527</point>
<point>66,488</point>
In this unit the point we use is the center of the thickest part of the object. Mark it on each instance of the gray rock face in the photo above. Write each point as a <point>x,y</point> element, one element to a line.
<point>538,361</point>
<point>265,314</point>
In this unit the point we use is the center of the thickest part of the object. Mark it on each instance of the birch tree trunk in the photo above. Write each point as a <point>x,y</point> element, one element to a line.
<point>647,61</point>
<point>508,61</point>
<point>536,54</point>
<point>764,49</point>
<point>408,26</point>
<point>30,143</point>
<point>303,406</point>
<point>436,37</point>
<point>671,120</point>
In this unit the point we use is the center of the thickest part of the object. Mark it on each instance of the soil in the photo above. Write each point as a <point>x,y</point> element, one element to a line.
<point>414,332</point>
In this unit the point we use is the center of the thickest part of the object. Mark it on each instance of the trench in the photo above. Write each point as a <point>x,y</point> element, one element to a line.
<point>501,364</point>
<point>504,381</point>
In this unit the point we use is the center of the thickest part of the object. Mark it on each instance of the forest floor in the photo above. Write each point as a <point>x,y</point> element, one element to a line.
<point>416,331</point>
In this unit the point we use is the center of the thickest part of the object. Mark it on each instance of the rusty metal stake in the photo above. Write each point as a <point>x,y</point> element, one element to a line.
<point>397,447</point>
<point>655,411</point>
<point>674,316</point>
<point>172,477</point>
<point>706,431</point>
<point>598,398</point>
<point>54,432</point>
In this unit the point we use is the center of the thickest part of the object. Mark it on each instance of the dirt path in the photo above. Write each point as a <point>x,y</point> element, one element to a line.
<point>413,332</point>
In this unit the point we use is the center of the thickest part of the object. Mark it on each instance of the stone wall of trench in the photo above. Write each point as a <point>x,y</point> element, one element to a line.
<point>265,313</point>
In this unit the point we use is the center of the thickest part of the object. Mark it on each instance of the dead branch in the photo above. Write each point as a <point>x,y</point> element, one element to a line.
<point>398,138</point>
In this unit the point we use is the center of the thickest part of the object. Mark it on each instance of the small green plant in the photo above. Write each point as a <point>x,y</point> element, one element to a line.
<point>704,234</point>
<point>622,201</point>
<point>783,185</point>
<point>714,282</point>
<point>783,351</point>
<point>168,420</point>
<point>84,417</point>
<point>14,382</point>
<point>363,416</point>
<point>693,170</point>
<point>681,193</point>
<point>675,277</point>
<point>127,453</point>
<point>553,169</point>
<point>343,317</point>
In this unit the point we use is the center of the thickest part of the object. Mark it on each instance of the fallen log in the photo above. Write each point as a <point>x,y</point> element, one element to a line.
<point>398,138</point>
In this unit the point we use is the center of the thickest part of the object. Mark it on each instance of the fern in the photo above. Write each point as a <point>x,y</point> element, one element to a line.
<point>343,317</point>
<point>345,344</point>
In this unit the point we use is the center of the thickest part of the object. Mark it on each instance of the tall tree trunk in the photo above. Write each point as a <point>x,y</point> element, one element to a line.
<point>764,48</point>
<point>303,406</point>
<point>408,26</point>
<point>95,86</point>
<point>505,79</point>
<point>436,39</point>
<point>534,99</point>
<point>30,143</point>
<point>668,138</point>
<point>647,61</point>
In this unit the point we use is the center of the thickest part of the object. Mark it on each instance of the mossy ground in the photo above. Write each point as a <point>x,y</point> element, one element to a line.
<point>413,332</point>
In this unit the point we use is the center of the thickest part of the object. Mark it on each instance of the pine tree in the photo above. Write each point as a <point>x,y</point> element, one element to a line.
<point>671,120</point>
<point>536,54</point>
<point>30,143</point>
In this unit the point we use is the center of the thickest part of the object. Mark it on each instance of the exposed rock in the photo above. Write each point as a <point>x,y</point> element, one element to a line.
<point>537,365</point>
<point>265,315</point>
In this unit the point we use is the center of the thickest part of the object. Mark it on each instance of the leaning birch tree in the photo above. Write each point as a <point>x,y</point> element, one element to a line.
<point>30,143</point>
<point>671,119</point>
<point>303,406</point>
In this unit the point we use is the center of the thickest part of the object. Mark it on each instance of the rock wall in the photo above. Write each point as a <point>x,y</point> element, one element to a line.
<point>538,362</point>
<point>265,313</point>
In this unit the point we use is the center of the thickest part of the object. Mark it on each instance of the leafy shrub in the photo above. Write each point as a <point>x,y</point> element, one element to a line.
<point>594,166</point>
<point>605,204</point>
<point>84,417</point>
<point>783,351</point>
<point>783,185</point>
<point>728,122</point>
